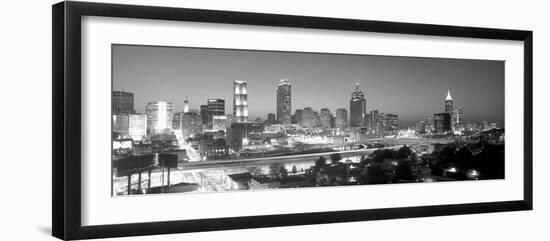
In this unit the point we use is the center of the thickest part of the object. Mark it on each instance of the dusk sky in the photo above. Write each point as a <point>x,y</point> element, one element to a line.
<point>413,88</point>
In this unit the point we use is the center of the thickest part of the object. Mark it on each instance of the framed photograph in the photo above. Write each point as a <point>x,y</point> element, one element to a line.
<point>170,120</point>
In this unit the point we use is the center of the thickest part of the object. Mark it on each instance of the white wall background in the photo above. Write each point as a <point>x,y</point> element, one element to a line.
<point>25,75</point>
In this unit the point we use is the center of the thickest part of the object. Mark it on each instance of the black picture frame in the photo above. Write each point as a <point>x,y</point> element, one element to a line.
<point>66,127</point>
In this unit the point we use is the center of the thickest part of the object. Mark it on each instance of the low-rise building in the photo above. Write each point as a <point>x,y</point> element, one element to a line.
<point>214,149</point>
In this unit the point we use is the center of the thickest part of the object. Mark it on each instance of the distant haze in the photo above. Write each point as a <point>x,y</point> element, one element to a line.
<point>413,88</point>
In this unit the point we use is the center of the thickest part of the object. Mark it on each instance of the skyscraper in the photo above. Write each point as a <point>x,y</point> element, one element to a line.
<point>449,108</point>
<point>176,121</point>
<point>308,118</point>
<point>374,124</point>
<point>341,119</point>
<point>123,102</point>
<point>185,105</point>
<point>159,117</point>
<point>457,116</point>
<point>316,119</point>
<point>449,103</point>
<point>204,114</point>
<point>271,119</point>
<point>240,102</point>
<point>284,102</point>
<point>215,107</point>
<point>442,123</point>
<point>357,107</point>
<point>391,124</point>
<point>324,118</point>
<point>298,116</point>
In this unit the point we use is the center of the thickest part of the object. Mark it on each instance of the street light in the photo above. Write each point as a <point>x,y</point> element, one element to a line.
<point>473,174</point>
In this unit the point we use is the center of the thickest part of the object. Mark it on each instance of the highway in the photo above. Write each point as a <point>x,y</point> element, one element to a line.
<point>395,143</point>
<point>280,159</point>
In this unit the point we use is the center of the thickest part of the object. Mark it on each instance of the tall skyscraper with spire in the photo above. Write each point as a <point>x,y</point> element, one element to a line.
<point>240,102</point>
<point>284,114</point>
<point>449,102</point>
<point>357,108</point>
<point>185,105</point>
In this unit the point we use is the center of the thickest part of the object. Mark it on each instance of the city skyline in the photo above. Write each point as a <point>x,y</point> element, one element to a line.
<point>320,130</point>
<point>390,84</point>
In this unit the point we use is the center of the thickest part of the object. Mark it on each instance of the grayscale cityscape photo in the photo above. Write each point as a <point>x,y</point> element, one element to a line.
<point>191,120</point>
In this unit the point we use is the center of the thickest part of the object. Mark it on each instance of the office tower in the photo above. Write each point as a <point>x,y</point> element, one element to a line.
<point>185,105</point>
<point>240,102</point>
<point>442,123</point>
<point>204,114</point>
<point>176,121</point>
<point>430,128</point>
<point>341,119</point>
<point>284,102</point>
<point>159,117</point>
<point>357,107</point>
<point>316,119</point>
<point>449,103</point>
<point>457,116</point>
<point>391,125</point>
<point>380,130</point>
<point>298,116</point>
<point>214,107</point>
<point>271,119</point>
<point>324,118</point>
<point>123,102</point>
<point>308,118</point>
<point>373,122</point>
<point>191,122</point>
